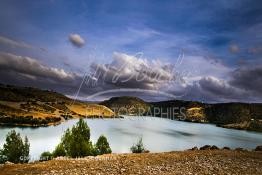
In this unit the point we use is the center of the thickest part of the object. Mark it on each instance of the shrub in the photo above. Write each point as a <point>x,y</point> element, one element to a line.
<point>3,158</point>
<point>102,146</point>
<point>138,147</point>
<point>59,151</point>
<point>45,156</point>
<point>15,149</point>
<point>76,141</point>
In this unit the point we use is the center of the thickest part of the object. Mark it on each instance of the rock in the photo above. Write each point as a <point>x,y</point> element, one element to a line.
<point>146,151</point>
<point>214,147</point>
<point>226,148</point>
<point>206,147</point>
<point>194,148</point>
<point>239,149</point>
<point>258,148</point>
<point>8,163</point>
<point>185,162</point>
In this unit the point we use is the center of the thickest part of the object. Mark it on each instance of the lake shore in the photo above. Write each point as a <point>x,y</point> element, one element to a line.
<point>177,162</point>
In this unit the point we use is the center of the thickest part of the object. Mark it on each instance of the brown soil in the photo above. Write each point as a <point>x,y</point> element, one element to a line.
<point>184,162</point>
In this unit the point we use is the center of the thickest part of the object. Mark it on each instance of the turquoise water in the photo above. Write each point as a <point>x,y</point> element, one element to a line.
<point>159,135</point>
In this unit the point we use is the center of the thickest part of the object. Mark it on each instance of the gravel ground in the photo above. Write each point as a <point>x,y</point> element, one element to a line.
<point>181,162</point>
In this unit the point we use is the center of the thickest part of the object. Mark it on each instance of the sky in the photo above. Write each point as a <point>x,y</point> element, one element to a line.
<point>208,51</point>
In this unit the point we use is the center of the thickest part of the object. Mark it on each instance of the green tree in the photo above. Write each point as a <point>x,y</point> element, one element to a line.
<point>102,146</point>
<point>26,149</point>
<point>138,147</point>
<point>15,149</point>
<point>76,141</point>
<point>3,158</point>
<point>59,151</point>
<point>45,156</point>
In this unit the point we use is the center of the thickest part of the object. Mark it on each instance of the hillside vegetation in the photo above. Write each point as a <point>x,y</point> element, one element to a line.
<point>34,107</point>
<point>27,106</point>
<point>27,94</point>
<point>246,116</point>
<point>126,105</point>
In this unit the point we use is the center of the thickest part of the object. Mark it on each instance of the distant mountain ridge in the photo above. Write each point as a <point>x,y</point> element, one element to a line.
<point>231,115</point>
<point>33,106</point>
<point>134,105</point>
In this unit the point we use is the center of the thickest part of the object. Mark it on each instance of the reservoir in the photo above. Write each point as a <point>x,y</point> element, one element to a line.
<point>159,135</point>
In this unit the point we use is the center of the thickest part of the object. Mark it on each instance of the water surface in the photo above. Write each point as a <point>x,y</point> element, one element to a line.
<point>159,135</point>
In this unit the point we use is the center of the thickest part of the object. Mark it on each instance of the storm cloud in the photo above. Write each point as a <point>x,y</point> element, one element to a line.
<point>26,71</point>
<point>133,72</point>
<point>248,78</point>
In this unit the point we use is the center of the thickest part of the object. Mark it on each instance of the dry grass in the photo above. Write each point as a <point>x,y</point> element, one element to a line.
<point>91,110</point>
<point>50,109</point>
<point>195,112</point>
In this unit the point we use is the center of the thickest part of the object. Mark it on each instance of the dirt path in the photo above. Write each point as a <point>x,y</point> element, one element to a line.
<point>185,162</point>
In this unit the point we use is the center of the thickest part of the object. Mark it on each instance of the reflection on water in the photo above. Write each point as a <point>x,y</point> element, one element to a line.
<point>158,134</point>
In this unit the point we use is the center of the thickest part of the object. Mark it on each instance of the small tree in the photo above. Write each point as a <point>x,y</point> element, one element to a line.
<point>76,141</point>
<point>26,149</point>
<point>102,146</point>
<point>15,150</point>
<point>59,151</point>
<point>3,158</point>
<point>138,147</point>
<point>45,156</point>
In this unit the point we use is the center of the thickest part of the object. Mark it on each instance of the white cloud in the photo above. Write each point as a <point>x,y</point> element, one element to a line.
<point>133,71</point>
<point>76,40</point>
<point>194,68</point>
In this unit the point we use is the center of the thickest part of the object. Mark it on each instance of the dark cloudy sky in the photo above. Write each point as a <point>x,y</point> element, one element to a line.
<point>194,50</point>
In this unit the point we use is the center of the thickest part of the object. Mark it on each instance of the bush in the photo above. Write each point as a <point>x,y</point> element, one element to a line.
<point>59,151</point>
<point>138,147</point>
<point>15,149</point>
<point>102,146</point>
<point>3,158</point>
<point>76,141</point>
<point>28,120</point>
<point>45,156</point>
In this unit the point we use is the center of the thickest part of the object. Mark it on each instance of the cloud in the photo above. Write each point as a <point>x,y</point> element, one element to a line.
<point>26,71</point>
<point>132,72</point>
<point>248,78</point>
<point>19,44</point>
<point>255,50</point>
<point>14,43</point>
<point>30,66</point>
<point>233,48</point>
<point>127,71</point>
<point>213,90</point>
<point>243,84</point>
<point>194,68</point>
<point>76,40</point>
<point>194,78</point>
<point>218,89</point>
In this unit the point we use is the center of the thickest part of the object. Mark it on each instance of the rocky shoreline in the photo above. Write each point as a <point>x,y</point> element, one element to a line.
<point>206,160</point>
